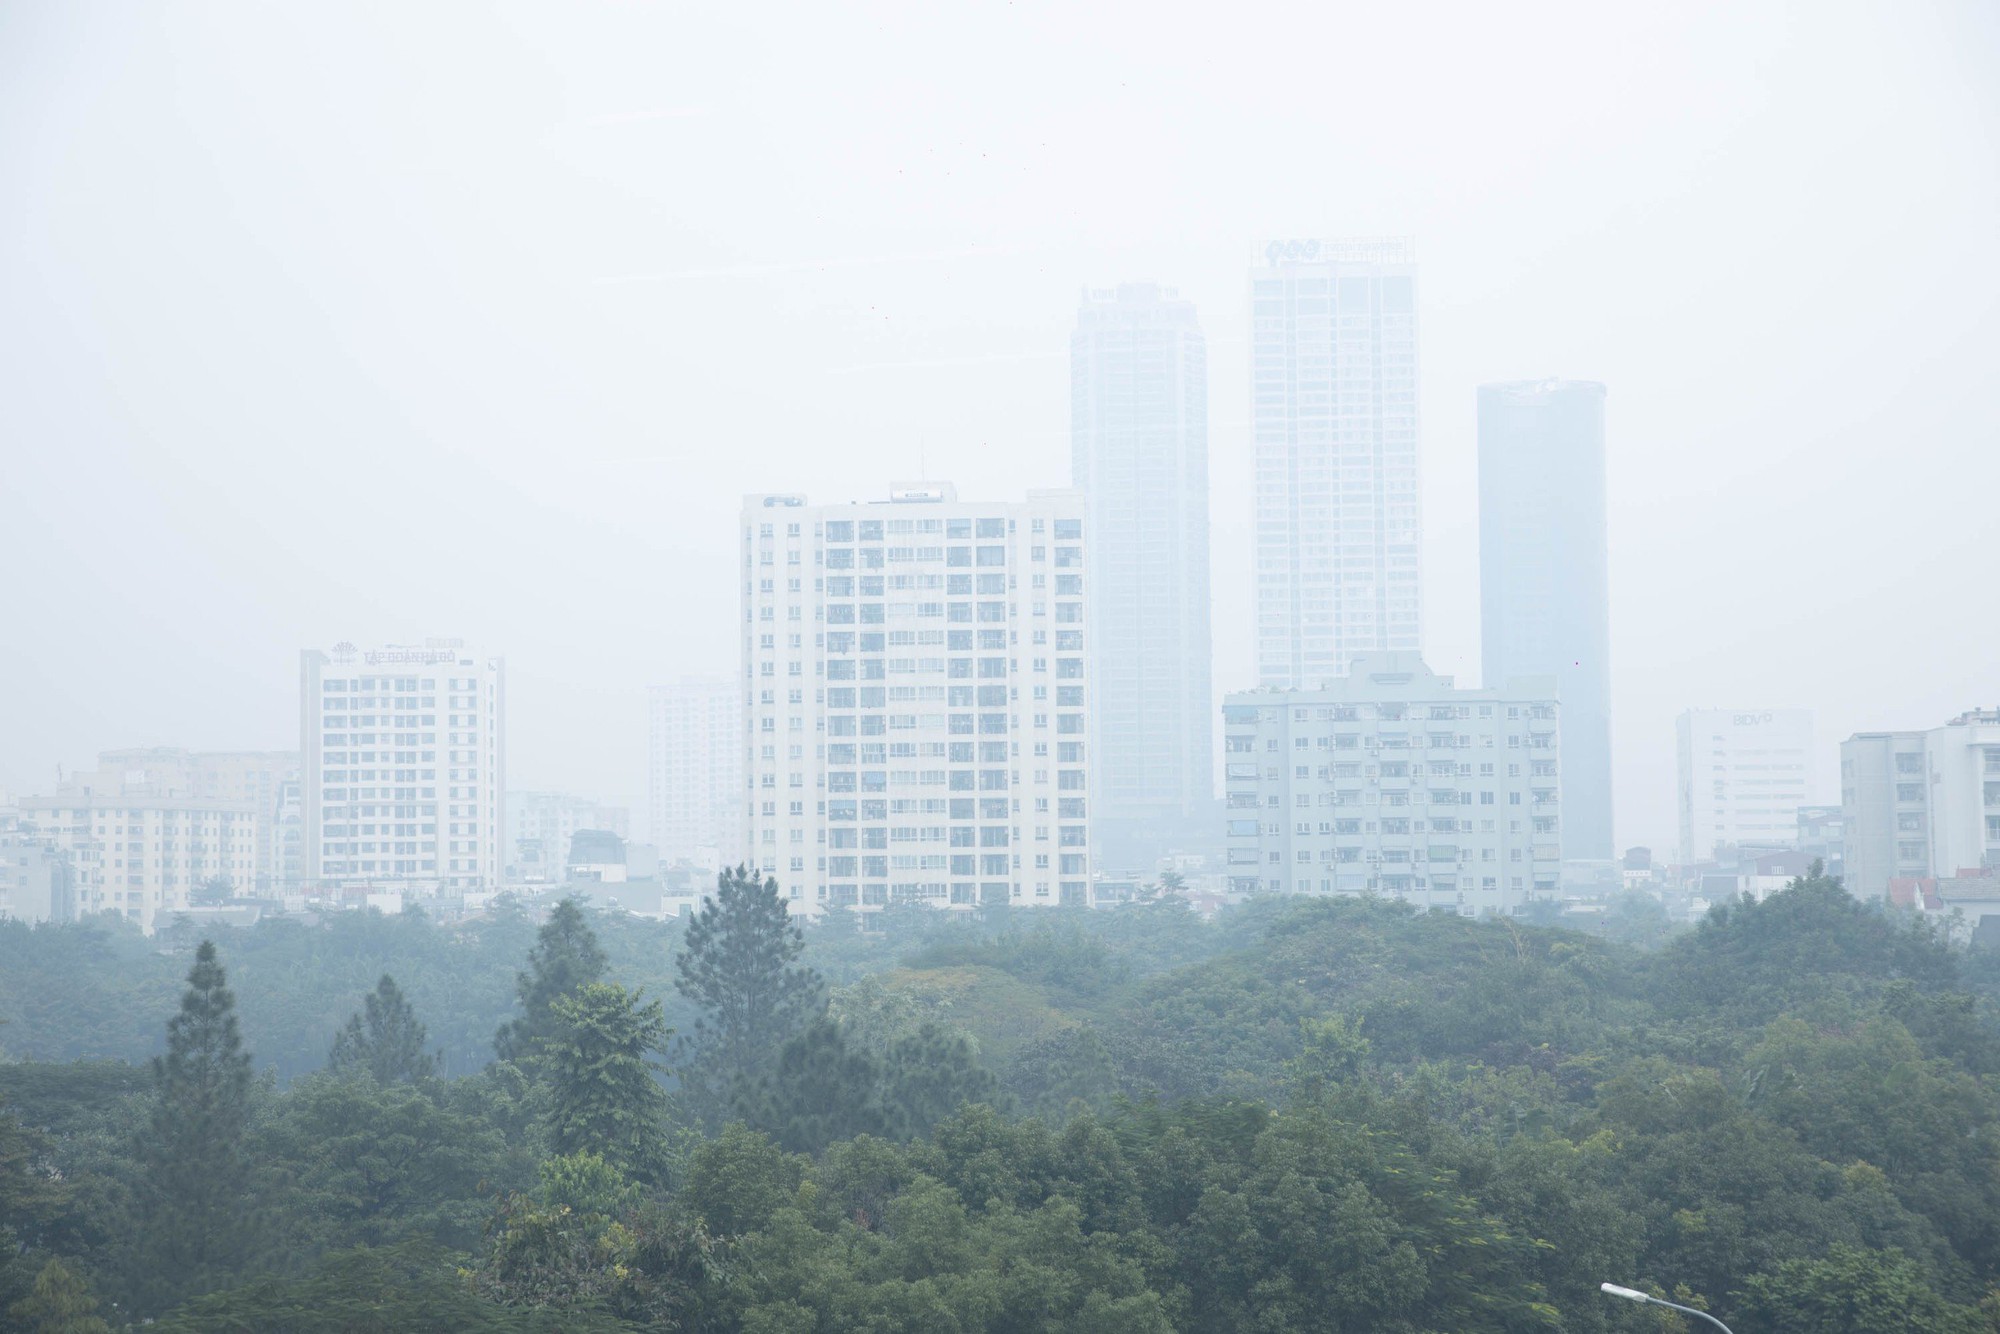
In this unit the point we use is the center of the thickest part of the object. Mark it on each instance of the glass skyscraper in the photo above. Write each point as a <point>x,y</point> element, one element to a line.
<point>1333,413</point>
<point>1545,587</point>
<point>1139,438</point>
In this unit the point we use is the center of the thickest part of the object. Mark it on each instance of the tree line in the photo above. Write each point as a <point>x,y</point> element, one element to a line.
<point>1308,1115</point>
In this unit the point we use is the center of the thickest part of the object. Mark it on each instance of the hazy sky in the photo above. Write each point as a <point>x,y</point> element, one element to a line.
<point>372,322</point>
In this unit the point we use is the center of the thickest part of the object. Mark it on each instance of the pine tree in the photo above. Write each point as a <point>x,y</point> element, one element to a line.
<point>61,1303</point>
<point>566,956</point>
<point>817,1091</point>
<point>384,1039</point>
<point>603,1097</point>
<point>930,1074</point>
<point>196,1224</point>
<point>740,965</point>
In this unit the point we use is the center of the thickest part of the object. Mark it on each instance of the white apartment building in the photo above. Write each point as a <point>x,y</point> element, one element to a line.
<point>1390,780</point>
<point>914,676</point>
<point>1921,804</point>
<point>695,771</point>
<point>253,778</point>
<point>1744,773</point>
<point>404,759</point>
<point>542,825</point>
<point>140,844</point>
<point>1333,417</point>
<point>37,881</point>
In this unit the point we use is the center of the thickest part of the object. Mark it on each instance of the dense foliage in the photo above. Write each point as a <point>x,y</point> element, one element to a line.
<point>1308,1115</point>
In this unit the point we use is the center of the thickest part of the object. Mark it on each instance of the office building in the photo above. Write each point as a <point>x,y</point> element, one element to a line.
<point>404,765</point>
<point>1139,455</point>
<point>695,771</point>
<point>542,827</point>
<point>1744,773</point>
<point>915,687</point>
<point>1333,419</point>
<point>139,843</point>
<point>1544,576</point>
<point>1391,780</point>
<point>1921,804</point>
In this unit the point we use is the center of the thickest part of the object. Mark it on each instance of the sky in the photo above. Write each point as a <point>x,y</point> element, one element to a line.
<point>384,321</point>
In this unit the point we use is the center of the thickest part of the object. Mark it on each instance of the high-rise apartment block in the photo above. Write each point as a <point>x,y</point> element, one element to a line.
<point>139,841</point>
<point>695,771</point>
<point>404,762</point>
<point>1744,773</point>
<point>1333,419</point>
<point>1139,455</point>
<point>915,678</point>
<point>1544,576</point>
<point>1390,780</point>
<point>1921,804</point>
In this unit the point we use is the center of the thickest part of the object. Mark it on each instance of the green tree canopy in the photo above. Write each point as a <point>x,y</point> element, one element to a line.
<point>384,1039</point>
<point>603,1097</point>
<point>566,956</point>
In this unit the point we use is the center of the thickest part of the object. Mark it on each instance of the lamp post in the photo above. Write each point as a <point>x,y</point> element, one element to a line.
<point>1634,1295</point>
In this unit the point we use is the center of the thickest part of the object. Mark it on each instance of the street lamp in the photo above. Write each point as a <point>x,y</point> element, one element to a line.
<point>1634,1295</point>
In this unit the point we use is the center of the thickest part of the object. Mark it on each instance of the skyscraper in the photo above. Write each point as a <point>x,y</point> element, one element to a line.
<point>1333,414</point>
<point>1139,454</point>
<point>696,771</point>
<point>915,676</point>
<point>1544,583</point>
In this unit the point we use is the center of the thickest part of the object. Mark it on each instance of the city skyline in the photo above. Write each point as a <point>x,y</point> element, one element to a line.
<point>571,402</point>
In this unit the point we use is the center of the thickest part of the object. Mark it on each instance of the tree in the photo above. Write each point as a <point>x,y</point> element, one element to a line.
<point>196,1224</point>
<point>929,1075</point>
<point>384,1039</point>
<point>61,1303</point>
<point>566,956</point>
<point>818,1091</point>
<point>603,1097</point>
<point>1852,1291</point>
<point>740,965</point>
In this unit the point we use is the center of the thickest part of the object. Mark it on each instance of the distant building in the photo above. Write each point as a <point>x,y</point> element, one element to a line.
<point>253,778</point>
<point>37,880</point>
<point>140,844</point>
<point>1544,576</point>
<point>1744,773</point>
<point>695,770</point>
<point>1139,455</point>
<point>404,760</point>
<point>1390,780</point>
<point>1821,836</point>
<point>1921,805</point>
<point>541,826</point>
<point>915,727</point>
<point>1333,426</point>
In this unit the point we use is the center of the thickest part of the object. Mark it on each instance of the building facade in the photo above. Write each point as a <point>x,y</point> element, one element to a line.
<point>1921,804</point>
<point>1544,576</point>
<point>915,682</point>
<point>695,771</point>
<point>1390,780</point>
<point>141,845</point>
<point>542,826</point>
<point>253,778</point>
<point>1139,455</point>
<point>37,880</point>
<point>1333,419</point>
<point>404,765</point>
<point>1744,773</point>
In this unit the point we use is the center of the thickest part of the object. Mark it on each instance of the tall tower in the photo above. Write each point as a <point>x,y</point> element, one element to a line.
<point>1139,454</point>
<point>1545,586</point>
<point>1333,413</point>
<point>695,774</point>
